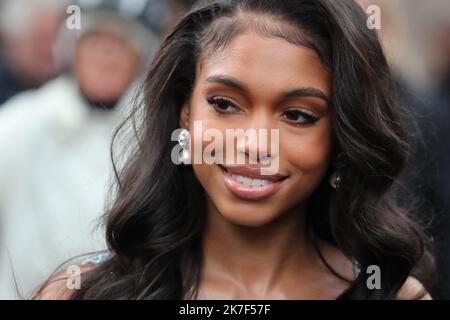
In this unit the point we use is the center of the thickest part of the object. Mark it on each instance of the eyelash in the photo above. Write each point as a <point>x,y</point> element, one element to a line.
<point>217,102</point>
<point>309,118</point>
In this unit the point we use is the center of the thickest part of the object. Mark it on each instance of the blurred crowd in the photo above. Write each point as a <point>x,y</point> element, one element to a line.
<point>416,38</point>
<point>67,78</point>
<point>64,90</point>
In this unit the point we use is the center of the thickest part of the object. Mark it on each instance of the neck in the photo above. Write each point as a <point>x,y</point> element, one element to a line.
<point>262,256</point>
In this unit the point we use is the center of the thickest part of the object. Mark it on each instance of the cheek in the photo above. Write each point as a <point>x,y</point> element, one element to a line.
<point>308,152</point>
<point>205,127</point>
<point>201,120</point>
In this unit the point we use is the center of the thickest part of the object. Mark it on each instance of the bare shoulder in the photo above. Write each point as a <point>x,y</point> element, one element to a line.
<point>413,289</point>
<point>61,286</point>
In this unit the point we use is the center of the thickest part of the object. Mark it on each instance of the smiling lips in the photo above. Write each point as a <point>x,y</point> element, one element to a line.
<point>249,183</point>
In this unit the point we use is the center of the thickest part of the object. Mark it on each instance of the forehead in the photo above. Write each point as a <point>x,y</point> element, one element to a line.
<point>267,63</point>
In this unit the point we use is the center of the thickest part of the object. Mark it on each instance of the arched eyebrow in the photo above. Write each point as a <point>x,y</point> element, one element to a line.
<point>228,81</point>
<point>297,92</point>
<point>307,92</point>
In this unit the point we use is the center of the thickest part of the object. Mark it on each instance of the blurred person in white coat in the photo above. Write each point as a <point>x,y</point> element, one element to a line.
<point>55,166</point>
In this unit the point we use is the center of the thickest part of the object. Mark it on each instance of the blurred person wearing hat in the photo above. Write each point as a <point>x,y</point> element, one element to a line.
<point>55,166</point>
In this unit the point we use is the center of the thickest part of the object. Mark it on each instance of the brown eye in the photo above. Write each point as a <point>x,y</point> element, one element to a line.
<point>223,105</point>
<point>299,117</point>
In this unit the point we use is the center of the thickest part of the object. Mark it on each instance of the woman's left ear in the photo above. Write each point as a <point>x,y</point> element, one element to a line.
<point>184,116</point>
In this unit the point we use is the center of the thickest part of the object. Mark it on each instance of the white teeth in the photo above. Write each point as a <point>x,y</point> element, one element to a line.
<point>251,182</point>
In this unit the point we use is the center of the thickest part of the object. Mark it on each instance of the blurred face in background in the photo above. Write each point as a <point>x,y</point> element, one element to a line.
<point>105,65</point>
<point>30,52</point>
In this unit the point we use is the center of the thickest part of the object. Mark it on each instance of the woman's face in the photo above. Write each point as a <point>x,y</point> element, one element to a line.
<point>262,83</point>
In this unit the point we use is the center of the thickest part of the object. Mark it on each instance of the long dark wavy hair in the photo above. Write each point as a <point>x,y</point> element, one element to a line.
<point>154,227</point>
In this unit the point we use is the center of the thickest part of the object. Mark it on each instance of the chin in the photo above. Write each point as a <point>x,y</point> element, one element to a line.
<point>247,215</point>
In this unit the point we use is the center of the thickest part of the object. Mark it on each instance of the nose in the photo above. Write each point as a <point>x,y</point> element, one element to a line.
<point>254,142</point>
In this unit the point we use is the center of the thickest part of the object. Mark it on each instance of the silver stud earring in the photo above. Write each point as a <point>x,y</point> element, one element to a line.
<point>183,141</point>
<point>341,162</point>
<point>335,180</point>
